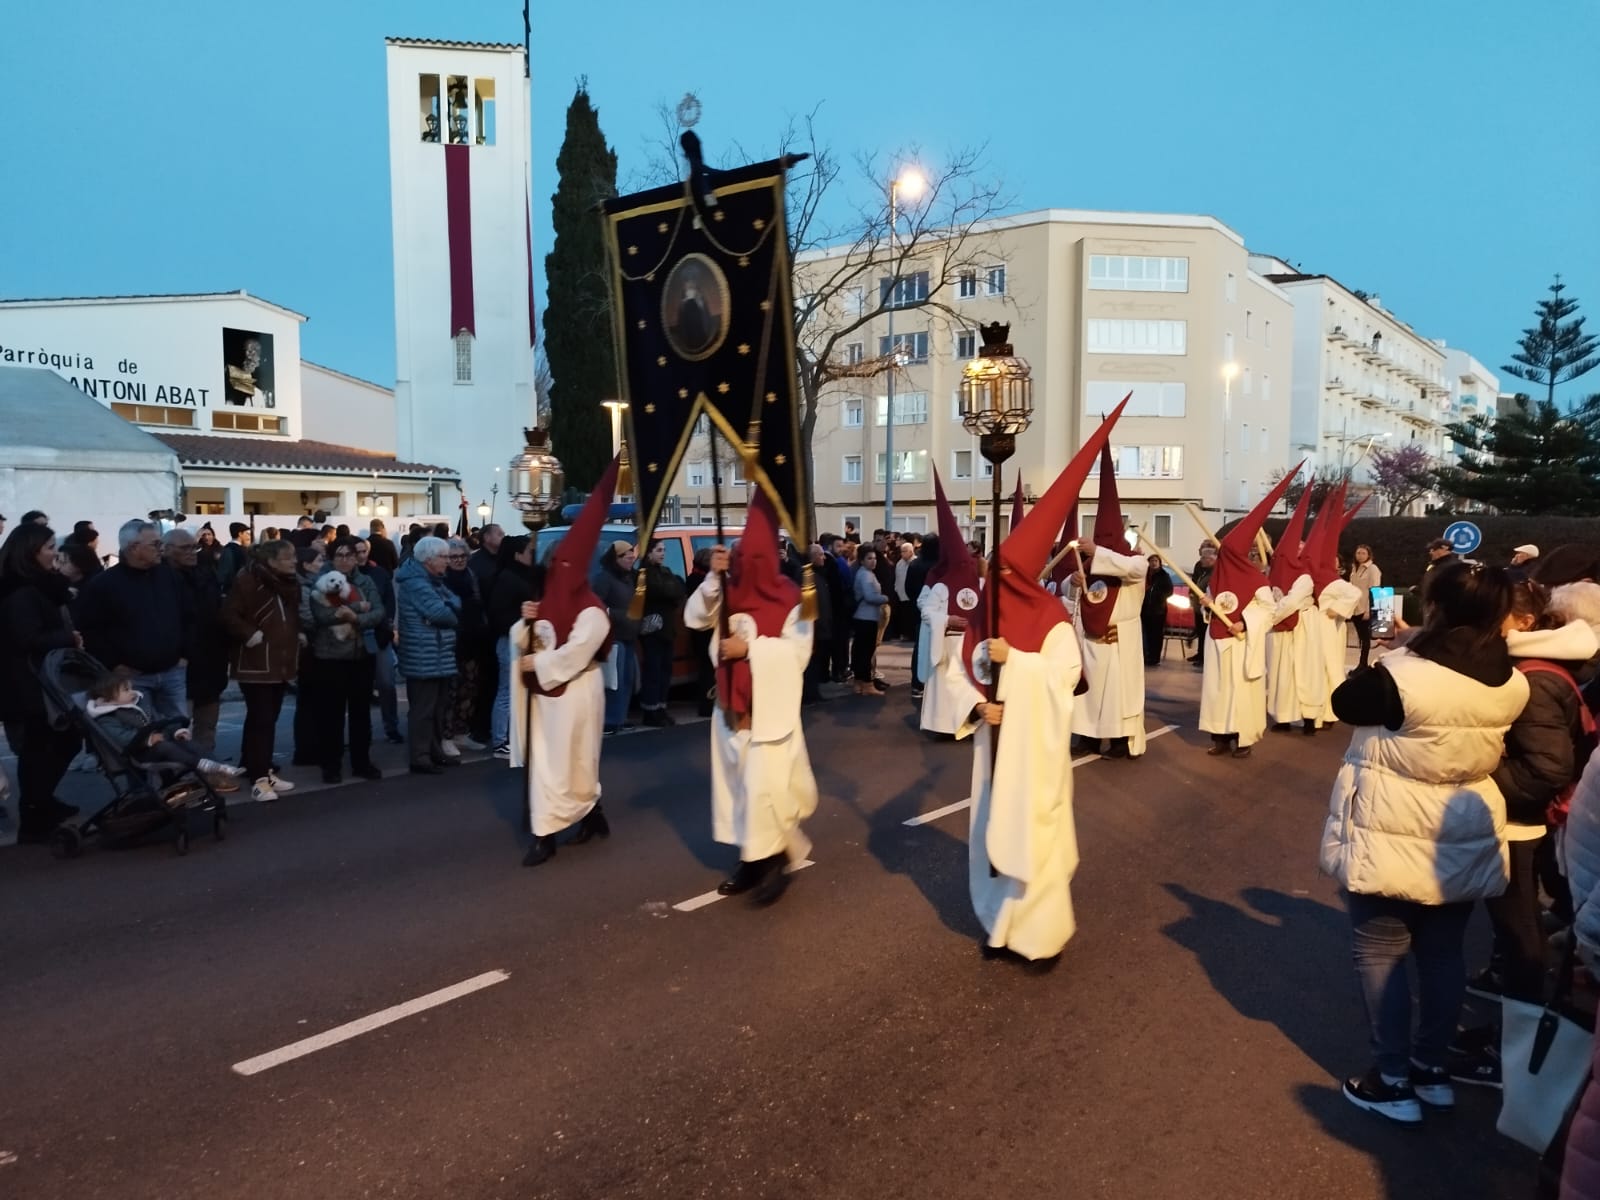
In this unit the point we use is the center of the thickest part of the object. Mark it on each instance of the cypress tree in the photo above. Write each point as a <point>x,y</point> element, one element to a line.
<point>578,337</point>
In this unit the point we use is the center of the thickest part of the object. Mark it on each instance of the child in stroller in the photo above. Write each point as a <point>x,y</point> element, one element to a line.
<point>117,711</point>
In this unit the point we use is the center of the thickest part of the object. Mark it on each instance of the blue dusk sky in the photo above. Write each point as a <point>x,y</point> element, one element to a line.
<point>1443,153</point>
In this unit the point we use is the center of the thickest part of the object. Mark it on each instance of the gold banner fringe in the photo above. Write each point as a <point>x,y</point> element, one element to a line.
<point>808,594</point>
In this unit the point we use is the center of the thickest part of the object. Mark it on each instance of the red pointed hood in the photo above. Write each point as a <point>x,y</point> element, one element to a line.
<point>1027,613</point>
<point>1019,504</point>
<point>1322,547</point>
<point>1067,567</point>
<point>1289,561</point>
<point>756,582</point>
<point>956,568</point>
<point>1235,574</point>
<point>1350,514</point>
<point>566,581</point>
<point>1095,609</point>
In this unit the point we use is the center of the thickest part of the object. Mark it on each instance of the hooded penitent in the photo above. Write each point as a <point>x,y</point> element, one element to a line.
<point>1289,563</point>
<point>566,581</point>
<point>1235,580</point>
<point>1067,565</point>
<point>1322,547</point>
<point>1026,612</point>
<point>956,567</point>
<point>1019,503</point>
<point>1101,597</point>
<point>756,586</point>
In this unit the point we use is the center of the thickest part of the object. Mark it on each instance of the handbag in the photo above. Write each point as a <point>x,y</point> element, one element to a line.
<point>1544,1063</point>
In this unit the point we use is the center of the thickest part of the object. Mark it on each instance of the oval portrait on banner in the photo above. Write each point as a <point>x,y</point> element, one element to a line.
<point>694,308</point>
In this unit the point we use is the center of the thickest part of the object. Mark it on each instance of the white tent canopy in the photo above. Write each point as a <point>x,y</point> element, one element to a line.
<point>69,456</point>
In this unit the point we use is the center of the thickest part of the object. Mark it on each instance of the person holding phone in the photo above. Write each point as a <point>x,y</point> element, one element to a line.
<point>1364,575</point>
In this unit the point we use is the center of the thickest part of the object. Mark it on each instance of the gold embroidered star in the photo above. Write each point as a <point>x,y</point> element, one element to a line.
<point>654,467</point>
<point>649,408</point>
<point>766,306</point>
<point>632,250</point>
<point>780,459</point>
<point>641,324</point>
<point>683,393</point>
<point>661,228</point>
<point>722,388</point>
<point>744,260</point>
<point>772,397</point>
<point>661,360</point>
<point>718,215</point>
<point>759,223</point>
<point>650,277</point>
<point>744,347</point>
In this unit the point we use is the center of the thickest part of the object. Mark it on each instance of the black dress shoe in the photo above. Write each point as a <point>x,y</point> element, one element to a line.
<point>594,824</point>
<point>367,771</point>
<point>332,775</point>
<point>394,739</point>
<point>426,768</point>
<point>743,879</point>
<point>1118,749</point>
<point>1309,729</point>
<point>657,717</point>
<point>542,850</point>
<point>774,879</point>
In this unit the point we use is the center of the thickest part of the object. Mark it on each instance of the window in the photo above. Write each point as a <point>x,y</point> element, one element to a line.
<point>483,110</point>
<point>967,285</point>
<point>155,414</point>
<point>963,461</point>
<point>854,352</point>
<point>1244,436</point>
<point>463,357</point>
<point>908,289</point>
<point>966,344</point>
<point>995,281</point>
<point>1266,389</point>
<point>1137,337</point>
<point>1148,399</point>
<point>1161,530</point>
<point>1230,288</point>
<point>698,475</point>
<point>1249,382</point>
<point>852,469</point>
<point>245,422</point>
<point>428,116</point>
<point>1266,334</point>
<point>910,408</point>
<point>910,466</point>
<point>1249,324</point>
<point>1227,347</point>
<point>1263,439</point>
<point>911,347</point>
<point>852,413</point>
<point>1128,273</point>
<point>855,301</point>
<point>1145,462</point>
<point>1244,495</point>
<point>738,473</point>
<point>912,524</point>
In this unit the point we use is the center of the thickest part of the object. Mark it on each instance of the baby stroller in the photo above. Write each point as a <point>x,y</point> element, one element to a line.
<point>144,798</point>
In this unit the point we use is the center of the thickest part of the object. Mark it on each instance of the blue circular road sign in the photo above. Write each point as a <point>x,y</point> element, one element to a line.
<point>1464,537</point>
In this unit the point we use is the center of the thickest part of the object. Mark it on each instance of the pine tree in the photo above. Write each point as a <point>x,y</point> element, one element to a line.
<point>578,335</point>
<point>1556,350</point>
<point>1531,458</point>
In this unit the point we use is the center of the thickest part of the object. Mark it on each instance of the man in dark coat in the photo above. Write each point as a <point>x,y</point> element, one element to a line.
<point>135,616</point>
<point>381,550</point>
<point>206,648</point>
<point>484,563</point>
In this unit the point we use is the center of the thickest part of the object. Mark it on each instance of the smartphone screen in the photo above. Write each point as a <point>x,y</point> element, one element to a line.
<point>1382,612</point>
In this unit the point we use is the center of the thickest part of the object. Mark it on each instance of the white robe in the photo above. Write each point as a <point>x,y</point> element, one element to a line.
<point>761,781</point>
<point>1233,687</point>
<point>1294,660</point>
<point>1337,604</point>
<point>565,781</point>
<point>948,695</point>
<point>1113,706</point>
<point>1023,825</point>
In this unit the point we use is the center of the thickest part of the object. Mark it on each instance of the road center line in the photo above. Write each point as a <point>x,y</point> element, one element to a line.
<point>925,818</point>
<point>377,1020</point>
<point>711,897</point>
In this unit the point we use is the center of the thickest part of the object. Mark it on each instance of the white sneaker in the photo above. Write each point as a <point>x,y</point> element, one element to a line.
<point>450,750</point>
<point>211,766</point>
<point>279,786</point>
<point>471,743</point>
<point>262,790</point>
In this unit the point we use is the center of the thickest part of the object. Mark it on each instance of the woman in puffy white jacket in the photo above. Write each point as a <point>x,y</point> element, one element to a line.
<point>1416,826</point>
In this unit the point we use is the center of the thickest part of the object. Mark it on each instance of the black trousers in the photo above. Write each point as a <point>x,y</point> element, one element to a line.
<point>864,639</point>
<point>488,683</point>
<point>306,738</point>
<point>425,714</point>
<point>1363,635</point>
<point>43,755</point>
<point>262,704</point>
<point>1518,940</point>
<point>841,641</point>
<point>339,692</point>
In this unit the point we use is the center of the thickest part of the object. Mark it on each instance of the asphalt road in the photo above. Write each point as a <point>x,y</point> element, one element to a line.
<point>847,1042</point>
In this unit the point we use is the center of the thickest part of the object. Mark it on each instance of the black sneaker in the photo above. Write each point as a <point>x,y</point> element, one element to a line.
<point>1432,1086</point>
<point>1477,1068</point>
<point>1396,1101</point>
<point>1488,983</point>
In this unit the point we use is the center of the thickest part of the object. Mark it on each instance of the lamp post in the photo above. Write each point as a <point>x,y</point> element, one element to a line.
<point>1230,371</point>
<point>483,513</point>
<point>615,407</point>
<point>911,182</point>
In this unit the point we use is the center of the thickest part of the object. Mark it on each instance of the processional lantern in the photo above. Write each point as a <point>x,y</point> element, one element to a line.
<point>536,480</point>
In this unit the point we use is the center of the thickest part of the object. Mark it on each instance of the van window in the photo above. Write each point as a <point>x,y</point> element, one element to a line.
<point>675,562</point>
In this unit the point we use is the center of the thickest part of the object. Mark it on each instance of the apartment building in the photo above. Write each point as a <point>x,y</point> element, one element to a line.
<point>1100,305</point>
<point>1363,378</point>
<point>1474,389</point>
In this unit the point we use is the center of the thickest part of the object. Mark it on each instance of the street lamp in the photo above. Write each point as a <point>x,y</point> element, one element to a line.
<point>616,407</point>
<point>1230,372</point>
<point>911,182</point>
<point>483,512</point>
<point>996,404</point>
<point>535,481</point>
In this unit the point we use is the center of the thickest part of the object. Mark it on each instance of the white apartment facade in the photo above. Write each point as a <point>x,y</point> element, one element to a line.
<point>1474,389</point>
<point>1363,378</point>
<point>1100,305</point>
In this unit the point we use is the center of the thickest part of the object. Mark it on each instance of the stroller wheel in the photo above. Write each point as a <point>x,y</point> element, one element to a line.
<point>181,843</point>
<point>65,842</point>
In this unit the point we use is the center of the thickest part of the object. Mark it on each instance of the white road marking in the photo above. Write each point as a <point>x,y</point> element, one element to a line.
<point>711,897</point>
<point>377,1020</point>
<point>959,805</point>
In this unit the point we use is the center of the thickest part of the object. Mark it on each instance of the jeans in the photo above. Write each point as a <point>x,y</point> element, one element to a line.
<point>617,701</point>
<point>388,702</point>
<point>166,693</point>
<point>500,721</point>
<point>262,704</point>
<point>1384,932</point>
<point>203,722</point>
<point>655,672</point>
<point>425,719</point>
